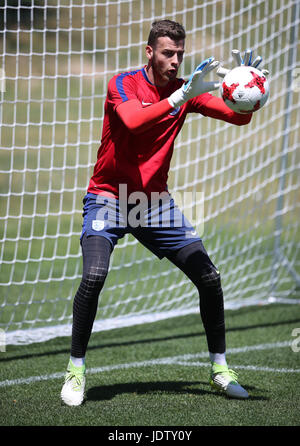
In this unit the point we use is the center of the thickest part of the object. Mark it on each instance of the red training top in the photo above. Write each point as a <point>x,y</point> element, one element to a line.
<point>139,130</point>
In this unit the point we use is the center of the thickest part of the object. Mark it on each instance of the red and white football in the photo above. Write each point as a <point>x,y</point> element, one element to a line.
<point>245,89</point>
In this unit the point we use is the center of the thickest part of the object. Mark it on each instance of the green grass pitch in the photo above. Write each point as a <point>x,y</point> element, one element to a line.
<point>157,375</point>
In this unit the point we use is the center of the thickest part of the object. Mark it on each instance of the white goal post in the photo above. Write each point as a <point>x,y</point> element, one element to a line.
<point>56,60</point>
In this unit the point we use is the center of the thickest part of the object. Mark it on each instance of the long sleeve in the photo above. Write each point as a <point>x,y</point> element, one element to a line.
<point>216,108</point>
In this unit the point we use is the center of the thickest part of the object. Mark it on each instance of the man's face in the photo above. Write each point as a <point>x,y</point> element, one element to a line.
<point>165,59</point>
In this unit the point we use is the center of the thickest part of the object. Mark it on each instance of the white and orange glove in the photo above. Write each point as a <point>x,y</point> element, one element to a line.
<point>246,61</point>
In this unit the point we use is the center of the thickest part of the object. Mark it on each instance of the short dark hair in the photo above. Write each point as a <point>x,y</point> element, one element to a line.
<point>165,28</point>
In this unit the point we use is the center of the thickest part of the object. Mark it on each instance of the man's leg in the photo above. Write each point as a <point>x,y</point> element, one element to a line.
<point>193,260</point>
<point>96,251</point>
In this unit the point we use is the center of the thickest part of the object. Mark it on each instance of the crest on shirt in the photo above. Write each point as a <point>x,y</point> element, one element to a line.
<point>98,225</point>
<point>175,111</point>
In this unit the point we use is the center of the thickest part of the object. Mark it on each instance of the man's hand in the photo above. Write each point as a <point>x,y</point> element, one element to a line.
<point>196,84</point>
<point>246,60</point>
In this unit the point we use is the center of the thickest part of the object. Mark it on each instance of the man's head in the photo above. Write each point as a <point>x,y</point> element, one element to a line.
<point>165,51</point>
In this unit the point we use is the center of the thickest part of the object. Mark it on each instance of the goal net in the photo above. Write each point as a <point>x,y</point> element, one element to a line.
<point>56,60</point>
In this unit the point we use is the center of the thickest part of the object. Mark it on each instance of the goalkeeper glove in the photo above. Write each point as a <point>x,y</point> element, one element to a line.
<point>195,85</point>
<point>246,61</point>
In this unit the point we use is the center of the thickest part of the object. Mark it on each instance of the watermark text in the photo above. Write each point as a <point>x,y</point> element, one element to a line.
<point>295,346</point>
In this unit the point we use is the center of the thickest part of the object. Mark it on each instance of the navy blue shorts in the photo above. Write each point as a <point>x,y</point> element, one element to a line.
<point>160,226</point>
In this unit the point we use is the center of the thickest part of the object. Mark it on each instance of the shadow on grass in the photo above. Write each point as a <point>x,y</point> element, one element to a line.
<point>192,388</point>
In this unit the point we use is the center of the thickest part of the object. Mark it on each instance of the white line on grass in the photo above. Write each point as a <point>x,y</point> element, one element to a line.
<point>245,367</point>
<point>177,360</point>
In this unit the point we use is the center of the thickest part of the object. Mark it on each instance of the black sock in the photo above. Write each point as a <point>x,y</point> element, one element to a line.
<point>194,261</point>
<point>96,254</point>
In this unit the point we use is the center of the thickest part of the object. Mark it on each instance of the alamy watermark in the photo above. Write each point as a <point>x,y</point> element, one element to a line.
<point>296,80</point>
<point>295,345</point>
<point>2,81</point>
<point>160,209</point>
<point>2,340</point>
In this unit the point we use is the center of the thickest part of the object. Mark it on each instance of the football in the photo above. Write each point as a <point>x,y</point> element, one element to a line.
<point>245,89</point>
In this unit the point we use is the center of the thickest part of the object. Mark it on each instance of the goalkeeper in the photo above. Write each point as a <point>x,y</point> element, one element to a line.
<point>144,112</point>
